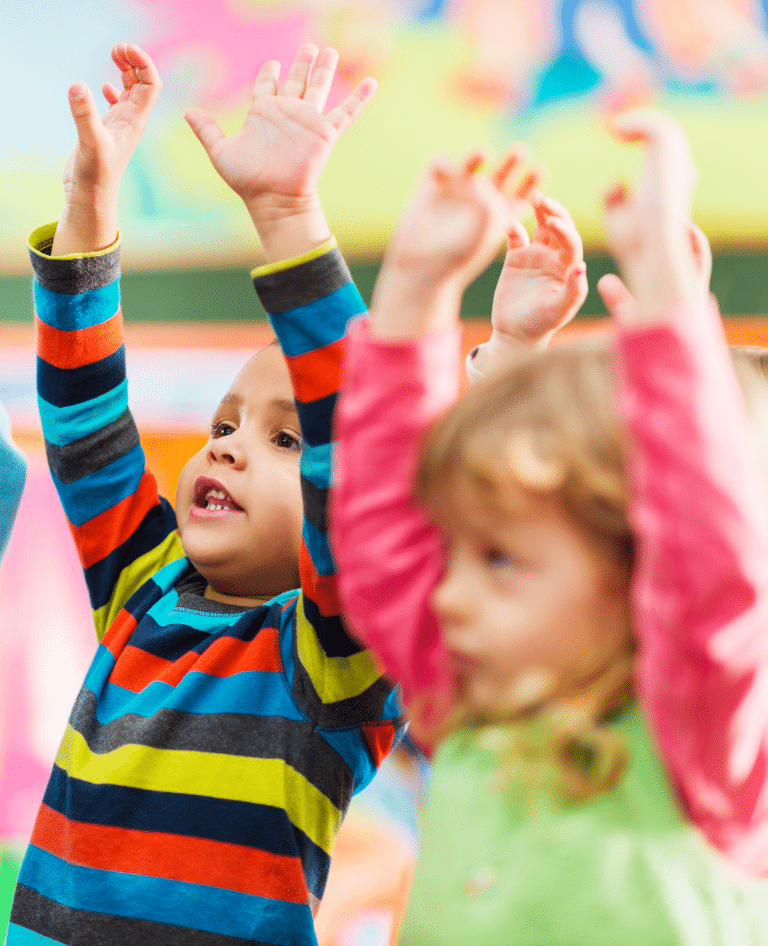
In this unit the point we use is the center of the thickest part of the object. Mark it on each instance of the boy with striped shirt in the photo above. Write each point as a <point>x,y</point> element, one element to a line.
<point>227,718</point>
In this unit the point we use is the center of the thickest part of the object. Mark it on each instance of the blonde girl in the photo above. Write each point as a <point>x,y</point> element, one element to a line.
<point>570,582</point>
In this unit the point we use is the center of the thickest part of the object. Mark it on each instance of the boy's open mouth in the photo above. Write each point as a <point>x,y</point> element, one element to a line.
<point>210,495</point>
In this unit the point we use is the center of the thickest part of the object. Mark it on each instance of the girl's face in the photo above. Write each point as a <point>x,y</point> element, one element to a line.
<point>528,604</point>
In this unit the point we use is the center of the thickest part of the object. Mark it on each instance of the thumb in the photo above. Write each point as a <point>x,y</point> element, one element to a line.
<point>205,128</point>
<point>517,235</point>
<point>87,119</point>
<point>618,300</point>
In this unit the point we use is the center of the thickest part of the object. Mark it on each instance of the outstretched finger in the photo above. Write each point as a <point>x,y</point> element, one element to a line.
<point>319,85</point>
<point>550,206</point>
<point>87,119</point>
<point>110,93</point>
<point>576,279</point>
<point>344,114</point>
<point>135,65</point>
<point>298,75</point>
<point>567,236</point>
<point>442,169</point>
<point>517,235</point>
<point>618,300</point>
<point>474,161</point>
<point>702,251</point>
<point>207,131</point>
<point>266,80</point>
<point>529,183</point>
<point>514,159</point>
<point>662,136</point>
<point>616,195</point>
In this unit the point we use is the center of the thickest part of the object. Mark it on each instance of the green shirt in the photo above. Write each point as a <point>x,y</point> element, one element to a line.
<point>514,867</point>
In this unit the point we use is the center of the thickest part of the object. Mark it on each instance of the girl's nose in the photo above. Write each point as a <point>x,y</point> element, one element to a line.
<point>451,598</point>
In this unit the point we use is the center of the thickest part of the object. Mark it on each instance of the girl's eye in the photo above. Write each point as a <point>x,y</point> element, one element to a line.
<point>500,561</point>
<point>222,429</point>
<point>286,441</point>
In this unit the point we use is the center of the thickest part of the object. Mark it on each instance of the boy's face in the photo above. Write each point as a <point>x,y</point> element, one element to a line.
<point>238,500</point>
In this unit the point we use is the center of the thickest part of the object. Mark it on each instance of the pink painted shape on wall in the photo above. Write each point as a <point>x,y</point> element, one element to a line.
<point>46,644</point>
<point>234,43</point>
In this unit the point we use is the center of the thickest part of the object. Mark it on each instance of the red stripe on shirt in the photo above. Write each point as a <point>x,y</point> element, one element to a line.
<point>82,346</point>
<point>119,632</point>
<point>223,658</point>
<point>104,533</point>
<point>321,589</point>
<point>172,856</point>
<point>316,374</point>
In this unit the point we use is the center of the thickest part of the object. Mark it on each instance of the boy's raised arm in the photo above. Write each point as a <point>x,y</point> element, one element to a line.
<point>92,443</point>
<point>274,163</point>
<point>94,171</point>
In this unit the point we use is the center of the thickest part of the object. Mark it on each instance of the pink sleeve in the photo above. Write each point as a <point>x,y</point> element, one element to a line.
<point>700,592</point>
<point>389,557</point>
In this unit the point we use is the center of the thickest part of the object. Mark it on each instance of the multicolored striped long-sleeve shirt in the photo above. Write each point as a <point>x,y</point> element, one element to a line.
<point>212,750</point>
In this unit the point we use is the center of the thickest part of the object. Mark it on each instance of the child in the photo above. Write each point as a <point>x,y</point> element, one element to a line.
<point>226,719</point>
<point>559,575</point>
<point>13,471</point>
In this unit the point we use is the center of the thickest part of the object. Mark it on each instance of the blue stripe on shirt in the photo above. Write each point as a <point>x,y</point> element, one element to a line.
<point>252,692</point>
<point>63,425</point>
<point>68,313</point>
<point>298,328</point>
<point>88,497</point>
<point>227,912</point>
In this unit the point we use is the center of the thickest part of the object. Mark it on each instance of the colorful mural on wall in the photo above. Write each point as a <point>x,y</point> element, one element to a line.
<point>452,74</point>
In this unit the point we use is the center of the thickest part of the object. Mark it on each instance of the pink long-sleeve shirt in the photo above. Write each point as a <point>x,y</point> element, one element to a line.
<point>700,514</point>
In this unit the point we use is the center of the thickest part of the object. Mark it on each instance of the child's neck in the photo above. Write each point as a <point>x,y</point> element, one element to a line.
<point>238,600</point>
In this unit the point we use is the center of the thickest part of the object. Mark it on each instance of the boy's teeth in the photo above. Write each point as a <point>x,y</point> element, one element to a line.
<point>210,500</point>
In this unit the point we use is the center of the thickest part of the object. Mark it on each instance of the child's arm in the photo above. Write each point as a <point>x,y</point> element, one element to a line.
<point>122,530</point>
<point>274,164</point>
<point>13,472</point>
<point>541,287</point>
<point>698,502</point>
<point>402,374</point>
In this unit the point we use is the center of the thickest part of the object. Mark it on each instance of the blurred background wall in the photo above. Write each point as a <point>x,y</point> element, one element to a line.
<point>452,74</point>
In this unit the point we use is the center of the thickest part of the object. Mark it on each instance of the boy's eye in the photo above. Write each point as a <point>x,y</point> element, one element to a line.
<point>222,429</point>
<point>286,441</point>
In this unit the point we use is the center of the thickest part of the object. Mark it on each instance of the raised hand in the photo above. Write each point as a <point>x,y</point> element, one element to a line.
<point>648,227</point>
<point>543,281</point>
<point>620,302</point>
<point>448,234</point>
<point>94,170</point>
<point>275,160</point>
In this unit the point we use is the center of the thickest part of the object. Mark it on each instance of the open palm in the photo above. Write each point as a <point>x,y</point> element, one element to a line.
<point>543,281</point>
<point>285,140</point>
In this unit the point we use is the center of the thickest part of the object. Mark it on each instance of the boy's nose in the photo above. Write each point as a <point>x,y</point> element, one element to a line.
<point>227,450</point>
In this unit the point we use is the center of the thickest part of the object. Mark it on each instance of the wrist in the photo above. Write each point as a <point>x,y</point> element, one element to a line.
<point>88,223</point>
<point>288,226</point>
<point>504,345</point>
<point>403,306</point>
<point>663,279</point>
